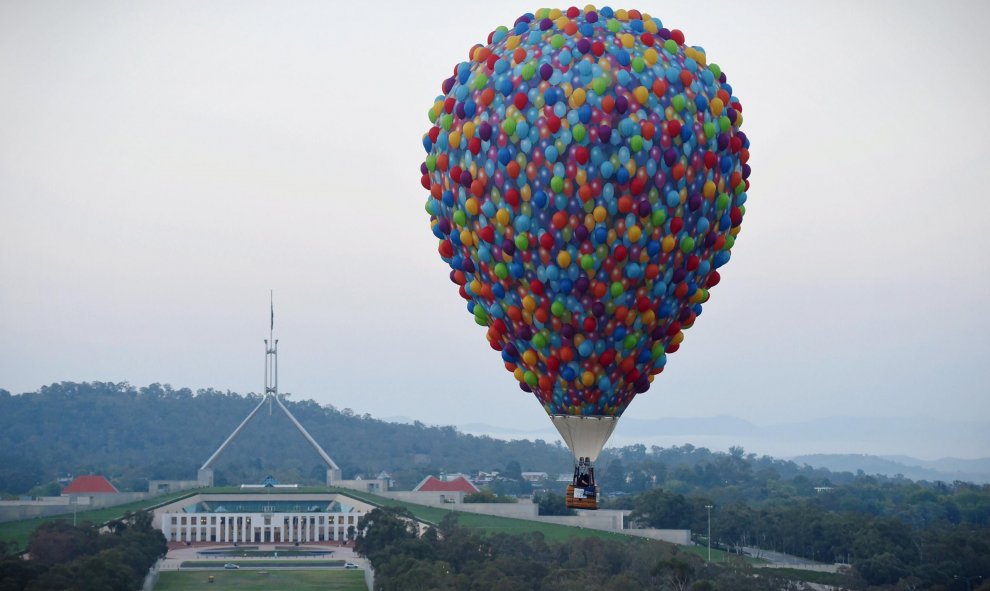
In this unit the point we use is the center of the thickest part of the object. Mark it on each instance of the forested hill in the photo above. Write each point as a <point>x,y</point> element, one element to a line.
<point>157,432</point>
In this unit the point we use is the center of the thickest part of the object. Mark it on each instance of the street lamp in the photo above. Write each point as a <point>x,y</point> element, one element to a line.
<point>709,508</point>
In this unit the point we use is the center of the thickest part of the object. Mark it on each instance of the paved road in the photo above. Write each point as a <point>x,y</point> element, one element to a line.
<point>779,557</point>
<point>176,556</point>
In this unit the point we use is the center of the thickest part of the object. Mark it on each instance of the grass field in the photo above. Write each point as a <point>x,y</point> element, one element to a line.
<point>490,523</point>
<point>810,576</point>
<point>719,556</point>
<point>18,532</point>
<point>246,580</point>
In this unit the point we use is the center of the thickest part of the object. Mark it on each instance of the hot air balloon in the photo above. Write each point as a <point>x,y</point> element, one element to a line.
<point>587,177</point>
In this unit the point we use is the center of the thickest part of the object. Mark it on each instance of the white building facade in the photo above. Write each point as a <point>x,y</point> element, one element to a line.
<point>258,527</point>
<point>278,517</point>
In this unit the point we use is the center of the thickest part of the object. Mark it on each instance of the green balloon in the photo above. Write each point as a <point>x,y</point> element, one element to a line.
<point>579,132</point>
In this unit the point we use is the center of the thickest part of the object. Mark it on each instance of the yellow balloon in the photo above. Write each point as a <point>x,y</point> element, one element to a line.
<point>502,216</point>
<point>716,106</point>
<point>642,95</point>
<point>577,98</point>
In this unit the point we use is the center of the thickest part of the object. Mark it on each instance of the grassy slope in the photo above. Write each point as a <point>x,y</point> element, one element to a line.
<point>284,580</point>
<point>810,576</point>
<point>489,523</point>
<point>18,532</point>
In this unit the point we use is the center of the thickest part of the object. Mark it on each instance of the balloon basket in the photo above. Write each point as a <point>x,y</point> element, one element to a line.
<point>582,498</point>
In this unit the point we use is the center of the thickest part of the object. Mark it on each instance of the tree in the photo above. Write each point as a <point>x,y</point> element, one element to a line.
<point>660,509</point>
<point>553,504</point>
<point>382,527</point>
<point>58,542</point>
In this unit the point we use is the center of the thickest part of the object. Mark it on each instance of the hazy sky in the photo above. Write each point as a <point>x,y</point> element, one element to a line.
<point>164,164</point>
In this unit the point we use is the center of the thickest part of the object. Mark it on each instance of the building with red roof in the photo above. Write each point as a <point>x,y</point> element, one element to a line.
<point>434,484</point>
<point>90,485</point>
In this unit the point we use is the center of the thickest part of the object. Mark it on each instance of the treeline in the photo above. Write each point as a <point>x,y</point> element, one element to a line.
<point>156,432</point>
<point>81,558</point>
<point>739,479</point>
<point>921,535</point>
<point>449,557</point>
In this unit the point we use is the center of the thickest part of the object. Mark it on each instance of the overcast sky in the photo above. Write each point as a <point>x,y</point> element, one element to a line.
<point>164,164</point>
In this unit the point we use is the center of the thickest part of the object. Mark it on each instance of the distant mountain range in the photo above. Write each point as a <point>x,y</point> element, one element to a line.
<point>945,469</point>
<point>895,443</point>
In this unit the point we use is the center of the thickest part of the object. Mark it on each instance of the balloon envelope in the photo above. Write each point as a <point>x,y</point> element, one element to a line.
<point>587,176</point>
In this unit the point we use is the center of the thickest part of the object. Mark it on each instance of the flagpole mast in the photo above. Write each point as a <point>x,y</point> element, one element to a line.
<point>271,356</point>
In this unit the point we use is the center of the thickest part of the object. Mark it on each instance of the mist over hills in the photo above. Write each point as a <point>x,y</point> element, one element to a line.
<point>158,432</point>
<point>889,437</point>
<point>945,469</point>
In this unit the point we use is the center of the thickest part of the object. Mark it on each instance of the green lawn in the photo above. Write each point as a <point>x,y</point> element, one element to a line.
<point>283,580</point>
<point>811,576</point>
<point>719,556</point>
<point>18,532</point>
<point>489,523</point>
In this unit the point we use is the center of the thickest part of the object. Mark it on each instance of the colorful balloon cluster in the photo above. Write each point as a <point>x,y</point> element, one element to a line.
<point>587,177</point>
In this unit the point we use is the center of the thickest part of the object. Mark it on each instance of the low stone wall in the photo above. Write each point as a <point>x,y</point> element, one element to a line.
<point>674,536</point>
<point>820,568</point>
<point>449,500</point>
<point>161,487</point>
<point>17,510</point>
<point>513,510</point>
<point>603,519</point>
